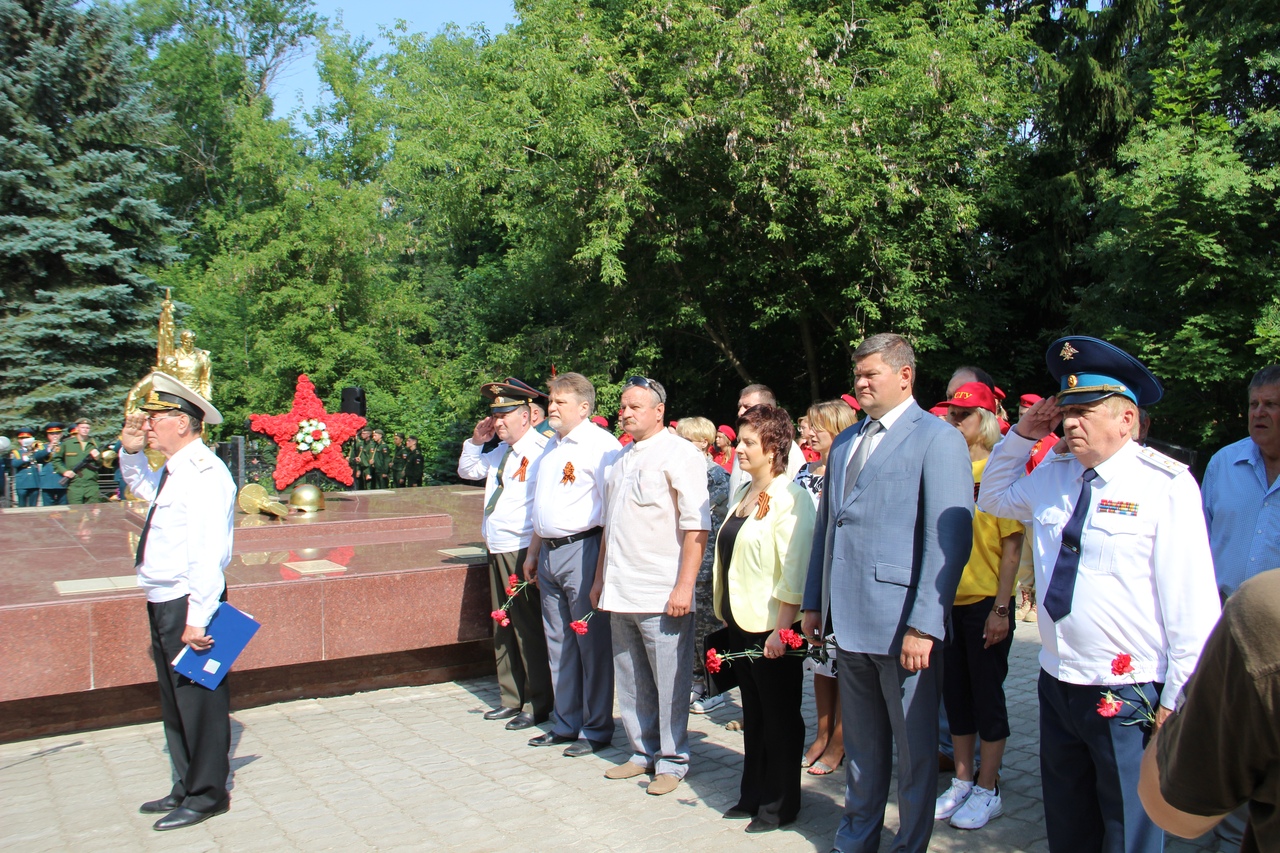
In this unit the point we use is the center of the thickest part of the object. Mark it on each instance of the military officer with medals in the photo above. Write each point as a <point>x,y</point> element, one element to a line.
<point>1127,592</point>
<point>24,464</point>
<point>53,492</point>
<point>183,550</point>
<point>81,484</point>
<point>519,645</point>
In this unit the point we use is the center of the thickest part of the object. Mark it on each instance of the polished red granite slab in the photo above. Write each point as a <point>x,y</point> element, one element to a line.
<point>389,588</point>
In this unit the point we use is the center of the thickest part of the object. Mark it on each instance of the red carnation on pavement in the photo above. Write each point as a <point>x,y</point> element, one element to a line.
<point>790,638</point>
<point>713,661</point>
<point>1122,665</point>
<point>1109,705</point>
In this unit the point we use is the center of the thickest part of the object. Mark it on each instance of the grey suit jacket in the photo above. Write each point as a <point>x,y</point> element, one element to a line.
<point>891,555</point>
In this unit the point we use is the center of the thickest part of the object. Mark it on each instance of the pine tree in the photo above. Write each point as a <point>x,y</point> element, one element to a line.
<point>78,222</point>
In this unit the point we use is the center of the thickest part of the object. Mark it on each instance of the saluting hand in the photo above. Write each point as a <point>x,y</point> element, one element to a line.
<point>132,436</point>
<point>483,431</point>
<point>1040,420</point>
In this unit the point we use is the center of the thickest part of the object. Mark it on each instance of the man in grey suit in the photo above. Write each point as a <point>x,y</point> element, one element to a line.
<point>894,529</point>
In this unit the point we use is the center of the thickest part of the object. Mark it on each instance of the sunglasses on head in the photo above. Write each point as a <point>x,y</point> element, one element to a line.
<point>644,382</point>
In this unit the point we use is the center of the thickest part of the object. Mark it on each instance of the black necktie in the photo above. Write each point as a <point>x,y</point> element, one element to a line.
<point>146,525</point>
<point>860,455</point>
<point>1057,601</point>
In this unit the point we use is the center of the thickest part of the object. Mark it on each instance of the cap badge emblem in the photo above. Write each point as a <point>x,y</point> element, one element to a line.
<point>1068,352</point>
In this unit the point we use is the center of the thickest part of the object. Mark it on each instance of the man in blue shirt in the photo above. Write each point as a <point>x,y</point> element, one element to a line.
<point>1242,511</point>
<point>1241,493</point>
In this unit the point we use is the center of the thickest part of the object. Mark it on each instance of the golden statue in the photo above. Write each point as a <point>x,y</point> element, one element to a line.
<point>185,362</point>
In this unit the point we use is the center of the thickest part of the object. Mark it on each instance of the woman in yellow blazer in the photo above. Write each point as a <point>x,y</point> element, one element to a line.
<point>762,557</point>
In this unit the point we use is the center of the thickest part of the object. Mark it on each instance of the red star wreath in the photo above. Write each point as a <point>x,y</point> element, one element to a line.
<point>309,437</point>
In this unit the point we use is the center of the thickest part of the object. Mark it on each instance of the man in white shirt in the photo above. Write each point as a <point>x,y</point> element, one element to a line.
<point>183,549</point>
<point>657,514</point>
<point>1126,585</point>
<point>568,511</point>
<point>519,646</point>
<point>760,395</point>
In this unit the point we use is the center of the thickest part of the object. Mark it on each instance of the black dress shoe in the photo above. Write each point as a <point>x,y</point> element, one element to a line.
<point>181,817</point>
<point>586,746</point>
<point>736,813</point>
<point>501,713</point>
<point>162,805</point>
<point>550,739</point>
<point>522,720</point>
<point>758,825</point>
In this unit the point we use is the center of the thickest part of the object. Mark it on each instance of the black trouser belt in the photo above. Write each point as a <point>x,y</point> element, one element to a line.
<point>561,541</point>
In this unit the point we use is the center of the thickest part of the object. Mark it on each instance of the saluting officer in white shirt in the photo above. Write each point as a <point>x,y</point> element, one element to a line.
<point>568,511</point>
<point>520,648</point>
<point>1126,572</point>
<point>184,547</point>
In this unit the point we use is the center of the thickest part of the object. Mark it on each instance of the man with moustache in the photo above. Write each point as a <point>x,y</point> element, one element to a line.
<point>568,511</point>
<point>508,470</point>
<point>657,515</point>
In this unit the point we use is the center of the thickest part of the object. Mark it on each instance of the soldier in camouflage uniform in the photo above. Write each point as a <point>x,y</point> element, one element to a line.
<point>413,463</point>
<point>399,459</point>
<point>82,487</point>
<point>379,461</point>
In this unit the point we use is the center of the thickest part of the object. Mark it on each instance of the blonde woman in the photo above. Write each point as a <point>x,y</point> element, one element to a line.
<point>702,434</point>
<point>976,653</point>
<point>824,421</point>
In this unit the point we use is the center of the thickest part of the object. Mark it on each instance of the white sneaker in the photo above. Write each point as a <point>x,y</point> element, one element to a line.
<point>981,806</point>
<point>952,799</point>
<point>706,704</point>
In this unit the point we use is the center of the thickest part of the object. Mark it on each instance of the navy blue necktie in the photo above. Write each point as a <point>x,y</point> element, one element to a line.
<point>1057,601</point>
<point>146,525</point>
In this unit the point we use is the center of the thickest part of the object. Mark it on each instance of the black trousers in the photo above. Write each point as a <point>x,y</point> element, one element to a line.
<point>197,721</point>
<point>773,732</point>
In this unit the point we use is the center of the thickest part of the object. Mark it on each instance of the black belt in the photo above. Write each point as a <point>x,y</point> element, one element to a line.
<point>561,541</point>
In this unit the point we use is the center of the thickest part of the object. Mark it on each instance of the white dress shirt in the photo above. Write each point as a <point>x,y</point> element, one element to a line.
<point>655,491</point>
<point>569,487</point>
<point>1145,585</point>
<point>189,543</point>
<point>510,526</point>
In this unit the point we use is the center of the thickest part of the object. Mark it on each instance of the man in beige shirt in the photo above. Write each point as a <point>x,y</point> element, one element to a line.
<point>657,514</point>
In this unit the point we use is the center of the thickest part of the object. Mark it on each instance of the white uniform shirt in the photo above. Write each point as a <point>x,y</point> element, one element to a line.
<point>1145,586</point>
<point>655,491</point>
<point>510,526</point>
<point>569,489</point>
<point>189,543</point>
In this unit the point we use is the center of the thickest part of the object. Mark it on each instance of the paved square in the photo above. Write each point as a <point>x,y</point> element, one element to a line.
<point>416,768</point>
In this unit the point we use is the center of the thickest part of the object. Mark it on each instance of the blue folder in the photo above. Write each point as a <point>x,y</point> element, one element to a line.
<point>231,631</point>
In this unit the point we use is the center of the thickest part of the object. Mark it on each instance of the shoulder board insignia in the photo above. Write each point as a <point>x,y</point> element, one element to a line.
<point>1159,460</point>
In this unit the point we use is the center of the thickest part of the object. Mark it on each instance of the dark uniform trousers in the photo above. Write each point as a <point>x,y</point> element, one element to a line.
<point>520,649</point>
<point>197,721</point>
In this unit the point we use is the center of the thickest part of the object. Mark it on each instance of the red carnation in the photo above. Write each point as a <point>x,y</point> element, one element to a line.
<point>713,661</point>
<point>512,580</point>
<point>1122,665</point>
<point>1109,705</point>
<point>316,435</point>
<point>499,616</point>
<point>578,626</point>
<point>790,638</point>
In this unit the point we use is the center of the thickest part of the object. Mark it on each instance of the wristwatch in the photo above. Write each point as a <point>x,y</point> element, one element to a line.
<point>1001,610</point>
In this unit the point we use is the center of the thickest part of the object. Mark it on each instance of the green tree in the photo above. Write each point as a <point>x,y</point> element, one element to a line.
<point>79,143</point>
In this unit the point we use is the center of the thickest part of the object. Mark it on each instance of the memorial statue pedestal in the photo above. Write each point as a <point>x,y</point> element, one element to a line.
<point>379,589</point>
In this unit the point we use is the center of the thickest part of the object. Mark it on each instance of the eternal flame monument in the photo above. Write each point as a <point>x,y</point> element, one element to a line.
<point>380,588</point>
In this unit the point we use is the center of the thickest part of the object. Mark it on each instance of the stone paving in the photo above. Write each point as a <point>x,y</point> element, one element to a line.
<point>416,768</point>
